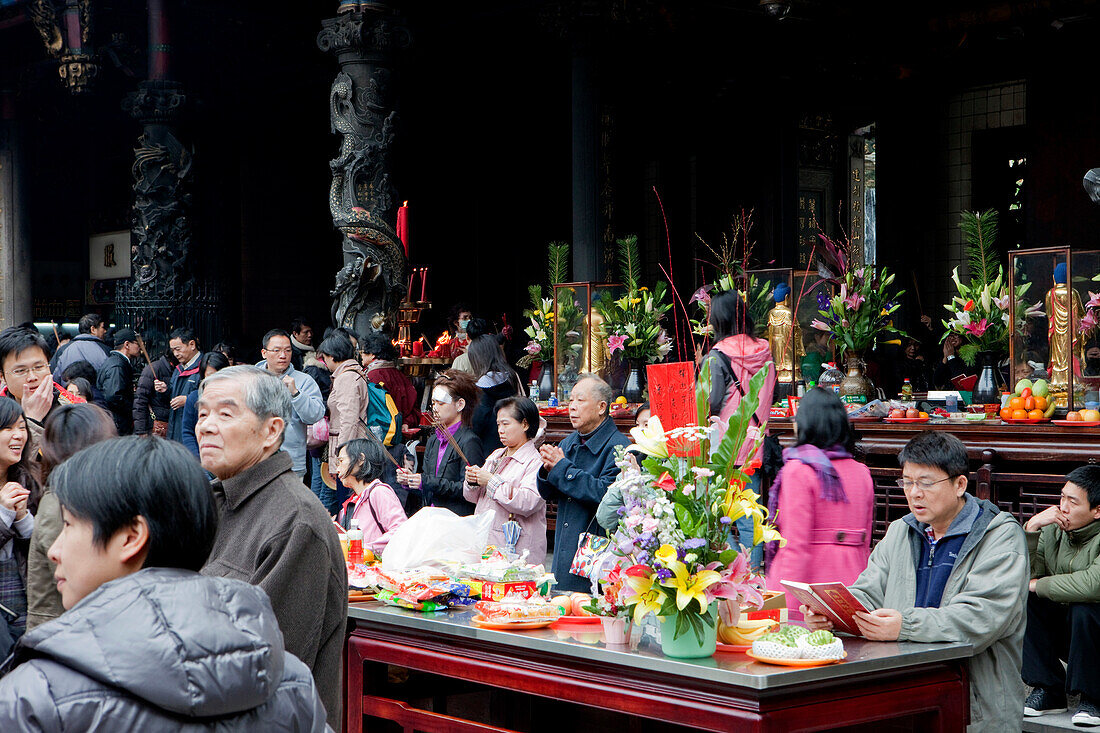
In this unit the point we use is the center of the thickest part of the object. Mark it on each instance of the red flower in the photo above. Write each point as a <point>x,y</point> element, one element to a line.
<point>750,468</point>
<point>666,482</point>
<point>969,305</point>
<point>638,571</point>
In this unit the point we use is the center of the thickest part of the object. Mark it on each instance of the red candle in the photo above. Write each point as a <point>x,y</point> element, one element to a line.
<point>423,282</point>
<point>409,297</point>
<point>403,226</point>
<point>418,348</point>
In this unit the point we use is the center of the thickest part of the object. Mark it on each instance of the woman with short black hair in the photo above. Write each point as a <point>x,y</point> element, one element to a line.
<point>147,643</point>
<point>507,484</point>
<point>19,496</point>
<point>497,380</point>
<point>373,503</point>
<point>348,401</point>
<point>823,500</point>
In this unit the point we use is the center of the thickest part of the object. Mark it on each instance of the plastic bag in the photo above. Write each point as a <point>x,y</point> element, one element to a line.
<point>436,537</point>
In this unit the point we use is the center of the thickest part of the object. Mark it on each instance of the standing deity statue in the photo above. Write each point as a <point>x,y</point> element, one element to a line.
<point>1064,310</point>
<point>785,337</point>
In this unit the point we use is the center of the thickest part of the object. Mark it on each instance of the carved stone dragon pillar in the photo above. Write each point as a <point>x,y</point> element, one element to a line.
<point>371,284</point>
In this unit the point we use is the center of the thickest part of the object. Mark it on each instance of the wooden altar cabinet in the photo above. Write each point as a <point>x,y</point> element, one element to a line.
<point>413,672</point>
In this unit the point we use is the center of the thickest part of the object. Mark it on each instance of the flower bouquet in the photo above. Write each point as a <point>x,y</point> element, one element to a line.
<point>613,612</point>
<point>860,314</point>
<point>632,323</point>
<point>980,313</point>
<point>675,532</point>
<point>541,330</point>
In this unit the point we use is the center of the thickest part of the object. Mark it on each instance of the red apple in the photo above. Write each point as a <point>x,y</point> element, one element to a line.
<point>912,412</point>
<point>896,412</point>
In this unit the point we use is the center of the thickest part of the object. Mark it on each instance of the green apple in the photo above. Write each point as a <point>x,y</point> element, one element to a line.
<point>1040,388</point>
<point>1024,384</point>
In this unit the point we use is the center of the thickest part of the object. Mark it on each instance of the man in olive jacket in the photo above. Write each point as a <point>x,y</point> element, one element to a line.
<point>954,569</point>
<point>272,531</point>
<point>576,474</point>
<point>1063,607</point>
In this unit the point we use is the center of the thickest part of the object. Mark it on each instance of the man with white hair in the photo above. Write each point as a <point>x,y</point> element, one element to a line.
<point>272,532</point>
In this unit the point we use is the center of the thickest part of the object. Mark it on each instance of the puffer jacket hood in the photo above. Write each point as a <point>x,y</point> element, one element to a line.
<point>183,643</point>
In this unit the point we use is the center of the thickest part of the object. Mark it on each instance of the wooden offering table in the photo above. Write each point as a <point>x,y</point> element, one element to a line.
<point>442,674</point>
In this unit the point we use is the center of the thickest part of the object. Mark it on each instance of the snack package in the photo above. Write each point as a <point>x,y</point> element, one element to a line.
<point>516,610</point>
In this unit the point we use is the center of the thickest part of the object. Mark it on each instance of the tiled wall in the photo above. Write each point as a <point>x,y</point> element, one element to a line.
<point>979,108</point>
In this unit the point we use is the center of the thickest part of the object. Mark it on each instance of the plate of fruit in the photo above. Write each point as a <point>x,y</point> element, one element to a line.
<point>1080,419</point>
<point>739,638</point>
<point>910,415</point>
<point>796,646</point>
<point>1030,403</point>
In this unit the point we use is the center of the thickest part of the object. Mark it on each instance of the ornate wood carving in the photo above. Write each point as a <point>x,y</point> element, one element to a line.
<point>362,201</point>
<point>77,67</point>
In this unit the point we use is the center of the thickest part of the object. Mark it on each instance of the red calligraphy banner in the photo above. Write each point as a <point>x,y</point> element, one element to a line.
<point>672,398</point>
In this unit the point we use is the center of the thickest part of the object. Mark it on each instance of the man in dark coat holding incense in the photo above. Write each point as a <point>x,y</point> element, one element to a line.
<point>576,473</point>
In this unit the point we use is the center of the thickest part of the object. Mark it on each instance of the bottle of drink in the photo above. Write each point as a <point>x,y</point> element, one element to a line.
<point>907,390</point>
<point>355,543</point>
<point>831,378</point>
<point>534,390</point>
<point>553,399</point>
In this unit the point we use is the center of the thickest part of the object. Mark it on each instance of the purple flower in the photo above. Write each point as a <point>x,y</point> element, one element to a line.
<point>642,557</point>
<point>664,574</point>
<point>694,543</point>
<point>725,520</point>
<point>822,302</point>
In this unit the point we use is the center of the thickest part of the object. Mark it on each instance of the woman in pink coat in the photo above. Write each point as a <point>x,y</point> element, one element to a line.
<point>506,486</point>
<point>823,501</point>
<point>373,503</point>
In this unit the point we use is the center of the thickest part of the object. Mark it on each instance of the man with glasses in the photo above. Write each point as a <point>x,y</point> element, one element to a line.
<point>954,569</point>
<point>27,379</point>
<point>306,404</point>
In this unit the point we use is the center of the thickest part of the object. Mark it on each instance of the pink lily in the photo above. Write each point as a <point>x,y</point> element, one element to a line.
<point>616,343</point>
<point>702,295</point>
<point>1001,302</point>
<point>977,329</point>
<point>1094,300</point>
<point>820,325</point>
<point>1088,322</point>
<point>853,301</point>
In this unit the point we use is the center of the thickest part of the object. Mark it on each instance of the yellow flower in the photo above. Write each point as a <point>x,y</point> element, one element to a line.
<point>635,301</point>
<point>762,532</point>
<point>651,438</point>
<point>741,501</point>
<point>644,289</point>
<point>688,587</point>
<point>648,596</point>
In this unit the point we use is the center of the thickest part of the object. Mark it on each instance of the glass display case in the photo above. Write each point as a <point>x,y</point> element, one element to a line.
<point>579,346</point>
<point>809,292</point>
<point>772,301</point>
<point>1054,336</point>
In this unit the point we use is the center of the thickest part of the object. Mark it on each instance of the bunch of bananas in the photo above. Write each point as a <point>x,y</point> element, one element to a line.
<point>746,631</point>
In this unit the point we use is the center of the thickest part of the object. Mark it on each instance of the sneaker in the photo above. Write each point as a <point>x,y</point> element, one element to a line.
<point>1044,702</point>
<point>1087,713</point>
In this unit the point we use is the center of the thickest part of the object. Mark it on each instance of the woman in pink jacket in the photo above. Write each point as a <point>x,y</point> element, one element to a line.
<point>372,503</point>
<point>823,501</point>
<point>506,486</point>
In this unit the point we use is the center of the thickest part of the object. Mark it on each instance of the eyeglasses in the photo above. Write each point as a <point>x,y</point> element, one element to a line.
<point>24,371</point>
<point>908,485</point>
<point>279,351</point>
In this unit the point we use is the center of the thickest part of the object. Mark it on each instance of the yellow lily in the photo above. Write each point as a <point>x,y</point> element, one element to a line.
<point>648,596</point>
<point>688,587</point>
<point>762,532</point>
<point>651,438</point>
<point>741,501</point>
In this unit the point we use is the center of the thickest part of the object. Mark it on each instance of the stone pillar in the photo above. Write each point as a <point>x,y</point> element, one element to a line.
<point>15,259</point>
<point>587,249</point>
<point>372,283</point>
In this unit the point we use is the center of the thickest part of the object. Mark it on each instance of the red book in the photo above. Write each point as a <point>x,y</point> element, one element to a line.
<point>832,600</point>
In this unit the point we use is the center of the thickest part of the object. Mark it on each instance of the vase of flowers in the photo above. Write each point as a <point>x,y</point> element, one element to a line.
<point>540,347</point>
<point>673,540</point>
<point>855,386</point>
<point>634,386</point>
<point>632,324</point>
<point>614,614</point>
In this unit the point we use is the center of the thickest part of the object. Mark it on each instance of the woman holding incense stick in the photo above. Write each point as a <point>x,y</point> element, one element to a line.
<point>452,447</point>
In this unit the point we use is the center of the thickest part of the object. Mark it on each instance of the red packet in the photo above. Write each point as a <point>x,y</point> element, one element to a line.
<point>672,398</point>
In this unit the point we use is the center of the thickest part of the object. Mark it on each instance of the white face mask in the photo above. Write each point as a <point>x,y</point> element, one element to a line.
<point>463,324</point>
<point>441,395</point>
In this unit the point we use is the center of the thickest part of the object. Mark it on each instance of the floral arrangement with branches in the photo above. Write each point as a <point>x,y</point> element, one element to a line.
<point>673,538</point>
<point>541,312</point>
<point>632,324</point>
<point>980,313</point>
<point>860,313</point>
<point>731,261</point>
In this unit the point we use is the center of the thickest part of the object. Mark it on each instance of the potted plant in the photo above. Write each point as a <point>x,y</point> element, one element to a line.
<point>614,614</point>
<point>674,535</point>
<point>540,347</point>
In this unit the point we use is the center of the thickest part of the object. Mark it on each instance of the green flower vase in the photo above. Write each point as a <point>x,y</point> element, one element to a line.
<point>688,646</point>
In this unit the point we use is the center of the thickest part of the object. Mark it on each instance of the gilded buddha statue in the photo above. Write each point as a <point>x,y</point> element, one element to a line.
<point>785,337</point>
<point>1064,310</point>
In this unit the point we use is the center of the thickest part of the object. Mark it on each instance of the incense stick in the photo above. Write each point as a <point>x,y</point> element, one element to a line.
<point>376,439</point>
<point>141,345</point>
<point>442,430</point>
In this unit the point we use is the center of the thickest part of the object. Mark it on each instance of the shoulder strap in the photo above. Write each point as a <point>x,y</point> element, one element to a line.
<point>381,529</point>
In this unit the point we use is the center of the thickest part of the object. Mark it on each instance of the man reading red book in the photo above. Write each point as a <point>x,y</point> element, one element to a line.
<point>954,569</point>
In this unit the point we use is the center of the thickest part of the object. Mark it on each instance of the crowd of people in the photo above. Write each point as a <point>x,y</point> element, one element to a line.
<point>189,512</point>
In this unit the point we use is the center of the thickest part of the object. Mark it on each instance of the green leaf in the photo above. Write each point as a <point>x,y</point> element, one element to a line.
<point>980,232</point>
<point>630,261</point>
<point>558,262</point>
<point>728,449</point>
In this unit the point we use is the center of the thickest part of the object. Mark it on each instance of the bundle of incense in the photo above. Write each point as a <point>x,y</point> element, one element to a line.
<point>141,345</point>
<point>442,430</point>
<point>376,439</point>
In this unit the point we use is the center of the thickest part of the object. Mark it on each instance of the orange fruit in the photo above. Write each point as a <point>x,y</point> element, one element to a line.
<point>1006,414</point>
<point>1019,414</point>
<point>1016,403</point>
<point>1090,415</point>
<point>1040,403</point>
<point>1029,403</point>
<point>1035,415</point>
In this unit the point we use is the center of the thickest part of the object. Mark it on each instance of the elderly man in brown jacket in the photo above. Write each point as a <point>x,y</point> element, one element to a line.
<point>272,530</point>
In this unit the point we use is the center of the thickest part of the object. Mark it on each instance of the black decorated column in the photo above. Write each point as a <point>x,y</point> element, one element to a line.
<point>372,282</point>
<point>587,248</point>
